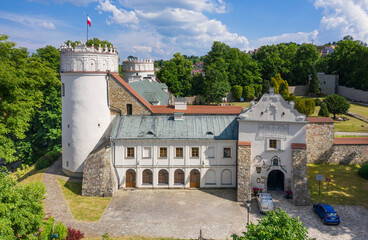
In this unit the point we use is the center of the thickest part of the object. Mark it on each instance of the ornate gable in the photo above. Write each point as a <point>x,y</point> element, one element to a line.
<point>272,107</point>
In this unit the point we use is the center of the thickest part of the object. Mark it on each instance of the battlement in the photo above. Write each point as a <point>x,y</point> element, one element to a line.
<point>136,60</point>
<point>83,58</point>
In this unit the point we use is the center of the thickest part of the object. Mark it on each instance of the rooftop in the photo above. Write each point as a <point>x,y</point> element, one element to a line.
<point>151,91</point>
<point>320,120</point>
<point>351,140</point>
<point>165,127</point>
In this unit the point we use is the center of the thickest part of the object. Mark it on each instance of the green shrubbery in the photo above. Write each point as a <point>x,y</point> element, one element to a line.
<point>363,171</point>
<point>47,160</point>
<point>57,231</point>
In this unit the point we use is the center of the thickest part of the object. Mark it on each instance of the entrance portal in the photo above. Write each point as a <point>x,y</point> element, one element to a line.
<point>195,179</point>
<point>130,178</point>
<point>275,180</point>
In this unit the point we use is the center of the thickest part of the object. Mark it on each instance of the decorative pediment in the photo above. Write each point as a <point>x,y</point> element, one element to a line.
<point>272,107</point>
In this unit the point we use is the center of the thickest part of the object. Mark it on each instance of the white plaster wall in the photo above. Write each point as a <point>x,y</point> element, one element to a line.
<point>250,131</point>
<point>203,163</point>
<point>90,62</point>
<point>85,116</point>
<point>131,70</point>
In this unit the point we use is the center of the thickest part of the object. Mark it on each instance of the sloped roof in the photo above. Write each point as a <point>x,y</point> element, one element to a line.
<point>198,109</point>
<point>151,91</point>
<point>165,127</point>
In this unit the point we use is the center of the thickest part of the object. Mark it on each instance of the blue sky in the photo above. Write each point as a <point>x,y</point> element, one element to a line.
<point>159,28</point>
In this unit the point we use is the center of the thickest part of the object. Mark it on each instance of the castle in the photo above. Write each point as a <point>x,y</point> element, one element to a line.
<point>131,132</point>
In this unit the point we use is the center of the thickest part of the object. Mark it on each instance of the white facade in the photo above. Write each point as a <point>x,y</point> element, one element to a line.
<point>85,110</point>
<point>138,70</point>
<point>215,169</point>
<point>271,126</point>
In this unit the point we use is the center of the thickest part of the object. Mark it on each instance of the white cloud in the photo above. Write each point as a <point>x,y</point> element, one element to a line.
<point>300,37</point>
<point>29,21</point>
<point>120,16</point>
<point>142,49</point>
<point>76,2</point>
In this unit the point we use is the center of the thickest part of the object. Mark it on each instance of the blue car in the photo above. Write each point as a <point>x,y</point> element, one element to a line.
<point>327,214</point>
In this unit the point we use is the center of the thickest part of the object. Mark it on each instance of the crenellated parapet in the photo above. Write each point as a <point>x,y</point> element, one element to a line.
<point>135,69</point>
<point>83,58</point>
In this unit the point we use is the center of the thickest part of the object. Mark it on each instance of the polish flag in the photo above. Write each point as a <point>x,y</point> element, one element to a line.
<point>89,21</point>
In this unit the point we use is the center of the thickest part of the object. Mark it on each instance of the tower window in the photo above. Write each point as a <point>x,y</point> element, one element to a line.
<point>129,109</point>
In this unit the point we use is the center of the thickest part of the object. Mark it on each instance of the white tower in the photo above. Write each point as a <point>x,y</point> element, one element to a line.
<point>135,69</point>
<point>85,110</point>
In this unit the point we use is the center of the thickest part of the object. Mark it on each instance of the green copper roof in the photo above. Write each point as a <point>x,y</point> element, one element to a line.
<point>152,92</point>
<point>165,127</point>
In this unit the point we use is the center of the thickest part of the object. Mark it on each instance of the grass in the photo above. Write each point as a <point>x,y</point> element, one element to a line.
<point>352,125</point>
<point>346,187</point>
<point>242,104</point>
<point>83,208</point>
<point>29,175</point>
<point>359,109</point>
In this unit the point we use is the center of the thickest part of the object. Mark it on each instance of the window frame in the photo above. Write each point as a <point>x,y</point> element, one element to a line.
<point>159,152</point>
<point>127,152</point>
<point>279,144</point>
<point>223,152</point>
<point>163,177</point>
<point>149,177</point>
<point>180,177</point>
<point>192,155</point>
<point>176,152</point>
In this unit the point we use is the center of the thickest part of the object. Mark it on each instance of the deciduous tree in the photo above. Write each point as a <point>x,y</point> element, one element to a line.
<point>336,104</point>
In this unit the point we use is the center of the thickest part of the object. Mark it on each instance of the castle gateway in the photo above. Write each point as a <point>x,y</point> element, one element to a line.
<point>131,133</point>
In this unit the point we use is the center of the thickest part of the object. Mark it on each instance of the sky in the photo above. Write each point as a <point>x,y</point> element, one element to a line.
<point>157,29</point>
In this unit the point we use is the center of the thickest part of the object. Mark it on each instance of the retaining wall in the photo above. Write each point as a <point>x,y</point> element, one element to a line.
<point>353,94</point>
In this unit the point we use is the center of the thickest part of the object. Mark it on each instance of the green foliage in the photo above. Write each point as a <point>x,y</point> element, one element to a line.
<point>314,83</point>
<point>21,207</point>
<point>266,86</point>
<point>249,92</point>
<point>48,159</point>
<point>177,75</point>
<point>61,230</point>
<point>363,170</point>
<point>198,86</point>
<point>318,102</point>
<point>237,91</point>
<point>306,58</point>
<point>284,89</point>
<point>323,111</point>
<point>106,236</point>
<point>305,106</point>
<point>275,225</point>
<point>50,229</point>
<point>275,84</point>
<point>336,104</point>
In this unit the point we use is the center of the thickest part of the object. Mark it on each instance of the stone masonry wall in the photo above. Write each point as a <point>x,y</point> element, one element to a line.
<point>348,154</point>
<point>99,178</point>
<point>300,178</point>
<point>320,139</point>
<point>119,97</point>
<point>244,162</point>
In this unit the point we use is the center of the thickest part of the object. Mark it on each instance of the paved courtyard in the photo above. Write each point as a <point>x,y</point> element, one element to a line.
<point>183,213</point>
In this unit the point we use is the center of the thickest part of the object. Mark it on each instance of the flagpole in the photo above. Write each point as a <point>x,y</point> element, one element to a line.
<point>87,28</point>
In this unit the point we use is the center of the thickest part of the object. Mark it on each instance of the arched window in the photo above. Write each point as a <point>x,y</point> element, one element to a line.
<point>210,177</point>
<point>163,177</point>
<point>226,177</point>
<point>179,176</point>
<point>147,177</point>
<point>275,161</point>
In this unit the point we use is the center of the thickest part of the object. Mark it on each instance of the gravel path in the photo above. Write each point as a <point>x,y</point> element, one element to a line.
<point>216,213</point>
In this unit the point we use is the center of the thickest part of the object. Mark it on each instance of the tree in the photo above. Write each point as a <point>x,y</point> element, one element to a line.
<point>314,83</point>
<point>323,111</point>
<point>21,207</point>
<point>305,106</point>
<point>237,91</point>
<point>306,58</point>
<point>198,85</point>
<point>280,86</point>
<point>275,225</point>
<point>249,92</point>
<point>336,104</point>
<point>177,75</point>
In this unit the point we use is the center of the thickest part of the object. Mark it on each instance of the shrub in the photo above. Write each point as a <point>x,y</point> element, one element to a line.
<point>305,106</point>
<point>363,171</point>
<point>74,234</point>
<point>317,101</point>
<point>336,104</point>
<point>237,91</point>
<point>249,92</point>
<point>47,229</point>
<point>323,112</point>
<point>61,231</point>
<point>47,160</point>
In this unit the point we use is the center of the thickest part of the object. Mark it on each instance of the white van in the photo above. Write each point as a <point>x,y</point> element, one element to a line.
<point>265,202</point>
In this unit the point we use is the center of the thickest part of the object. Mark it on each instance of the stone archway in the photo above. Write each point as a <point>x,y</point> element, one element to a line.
<point>275,180</point>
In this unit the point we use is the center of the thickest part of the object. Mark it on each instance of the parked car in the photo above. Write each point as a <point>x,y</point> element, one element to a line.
<point>327,214</point>
<point>265,202</point>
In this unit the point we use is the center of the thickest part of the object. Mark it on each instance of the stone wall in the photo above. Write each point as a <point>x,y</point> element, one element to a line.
<point>119,97</point>
<point>347,154</point>
<point>353,94</point>
<point>300,90</point>
<point>300,177</point>
<point>99,178</point>
<point>320,139</point>
<point>243,181</point>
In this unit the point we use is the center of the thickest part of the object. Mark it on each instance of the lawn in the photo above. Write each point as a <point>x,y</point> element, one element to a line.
<point>28,175</point>
<point>359,109</point>
<point>83,208</point>
<point>346,187</point>
<point>352,125</point>
<point>242,104</point>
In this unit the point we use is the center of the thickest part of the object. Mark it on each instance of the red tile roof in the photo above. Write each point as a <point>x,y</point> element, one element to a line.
<point>351,140</point>
<point>244,143</point>
<point>299,146</point>
<point>320,120</point>
<point>131,90</point>
<point>197,109</point>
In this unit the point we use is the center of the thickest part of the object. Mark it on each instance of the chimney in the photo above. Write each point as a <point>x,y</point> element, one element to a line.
<point>180,103</point>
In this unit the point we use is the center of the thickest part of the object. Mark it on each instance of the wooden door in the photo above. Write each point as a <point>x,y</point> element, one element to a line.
<point>195,179</point>
<point>130,179</point>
